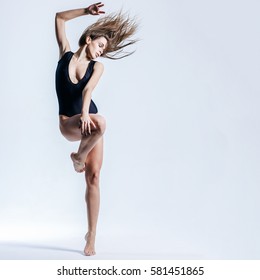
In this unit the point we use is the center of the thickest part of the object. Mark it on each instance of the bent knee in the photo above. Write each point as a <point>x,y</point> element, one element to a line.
<point>100,123</point>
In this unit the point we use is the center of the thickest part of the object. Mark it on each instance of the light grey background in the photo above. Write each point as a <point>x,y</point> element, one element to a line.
<point>180,178</point>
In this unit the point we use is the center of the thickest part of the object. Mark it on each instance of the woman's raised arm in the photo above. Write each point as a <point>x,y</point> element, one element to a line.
<point>61,17</point>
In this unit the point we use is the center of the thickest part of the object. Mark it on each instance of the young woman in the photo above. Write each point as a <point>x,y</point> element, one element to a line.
<point>77,75</point>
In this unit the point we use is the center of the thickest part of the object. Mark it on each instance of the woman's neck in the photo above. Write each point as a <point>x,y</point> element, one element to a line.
<point>81,54</point>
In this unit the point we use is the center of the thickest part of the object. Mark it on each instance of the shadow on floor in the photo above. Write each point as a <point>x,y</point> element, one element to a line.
<point>37,247</point>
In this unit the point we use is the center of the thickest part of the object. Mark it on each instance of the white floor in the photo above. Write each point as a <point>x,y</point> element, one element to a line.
<point>72,249</point>
<point>211,239</point>
<point>120,248</point>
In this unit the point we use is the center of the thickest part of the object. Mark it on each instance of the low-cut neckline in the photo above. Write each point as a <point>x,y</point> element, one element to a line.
<point>68,70</point>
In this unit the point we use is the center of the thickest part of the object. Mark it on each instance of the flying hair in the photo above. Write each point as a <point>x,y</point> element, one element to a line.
<point>117,28</point>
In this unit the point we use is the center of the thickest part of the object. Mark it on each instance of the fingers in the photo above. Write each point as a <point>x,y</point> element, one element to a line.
<point>85,127</point>
<point>89,126</point>
<point>93,124</point>
<point>82,127</point>
<point>99,5</point>
<point>99,12</point>
<point>88,129</point>
<point>96,13</point>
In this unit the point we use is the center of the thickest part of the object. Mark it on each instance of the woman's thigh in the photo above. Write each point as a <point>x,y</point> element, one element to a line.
<point>70,127</point>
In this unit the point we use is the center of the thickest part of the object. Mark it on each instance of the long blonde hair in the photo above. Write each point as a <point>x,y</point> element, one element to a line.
<point>117,28</point>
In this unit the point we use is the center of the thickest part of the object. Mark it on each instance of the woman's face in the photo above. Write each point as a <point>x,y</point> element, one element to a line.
<point>96,47</point>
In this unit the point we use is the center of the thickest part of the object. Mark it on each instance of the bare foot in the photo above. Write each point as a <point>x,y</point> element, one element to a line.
<point>78,166</point>
<point>90,246</point>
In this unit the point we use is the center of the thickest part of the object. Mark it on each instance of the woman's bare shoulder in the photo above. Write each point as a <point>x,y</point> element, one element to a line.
<point>99,66</point>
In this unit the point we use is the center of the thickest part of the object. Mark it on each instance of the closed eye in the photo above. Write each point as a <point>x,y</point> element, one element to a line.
<point>101,45</point>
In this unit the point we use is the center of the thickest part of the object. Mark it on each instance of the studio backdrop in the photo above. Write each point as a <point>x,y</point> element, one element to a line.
<point>180,177</point>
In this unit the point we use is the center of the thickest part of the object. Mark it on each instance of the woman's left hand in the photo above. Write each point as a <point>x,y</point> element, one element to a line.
<point>85,124</point>
<point>94,9</point>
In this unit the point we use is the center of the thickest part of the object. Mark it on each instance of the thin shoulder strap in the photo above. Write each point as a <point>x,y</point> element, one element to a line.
<point>91,65</point>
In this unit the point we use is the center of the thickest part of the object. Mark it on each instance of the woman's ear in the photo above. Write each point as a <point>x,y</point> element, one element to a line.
<point>88,40</point>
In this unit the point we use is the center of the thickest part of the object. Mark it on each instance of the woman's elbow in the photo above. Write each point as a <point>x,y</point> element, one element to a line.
<point>59,16</point>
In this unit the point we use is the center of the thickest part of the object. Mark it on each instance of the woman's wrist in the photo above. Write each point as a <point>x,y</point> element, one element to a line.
<point>86,11</point>
<point>84,113</point>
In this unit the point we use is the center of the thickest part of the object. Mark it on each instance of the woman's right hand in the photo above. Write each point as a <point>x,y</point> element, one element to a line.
<point>85,124</point>
<point>94,9</point>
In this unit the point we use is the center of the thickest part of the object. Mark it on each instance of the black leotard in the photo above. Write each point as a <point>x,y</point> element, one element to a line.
<point>70,94</point>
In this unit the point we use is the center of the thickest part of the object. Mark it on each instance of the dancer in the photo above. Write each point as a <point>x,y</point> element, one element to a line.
<point>77,74</point>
